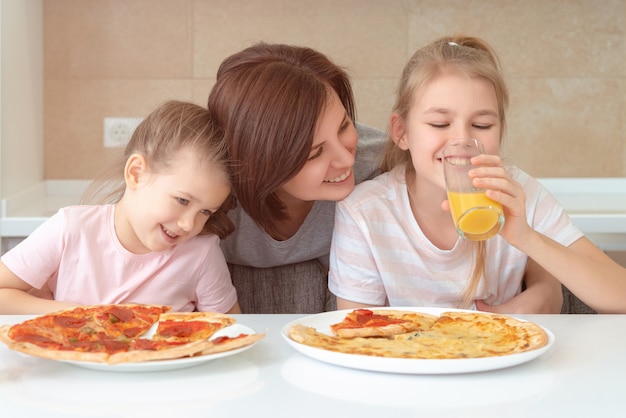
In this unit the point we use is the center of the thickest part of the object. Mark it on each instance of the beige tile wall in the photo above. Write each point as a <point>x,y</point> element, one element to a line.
<point>565,61</point>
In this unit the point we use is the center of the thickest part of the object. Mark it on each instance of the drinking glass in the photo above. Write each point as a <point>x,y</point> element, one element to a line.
<point>475,216</point>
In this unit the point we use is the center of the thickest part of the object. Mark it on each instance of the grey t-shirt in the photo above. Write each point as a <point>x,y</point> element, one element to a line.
<point>250,246</point>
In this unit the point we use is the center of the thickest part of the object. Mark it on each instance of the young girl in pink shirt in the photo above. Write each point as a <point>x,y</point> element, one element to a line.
<point>158,243</point>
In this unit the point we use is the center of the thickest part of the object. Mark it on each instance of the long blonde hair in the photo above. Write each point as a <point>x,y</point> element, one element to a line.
<point>472,57</point>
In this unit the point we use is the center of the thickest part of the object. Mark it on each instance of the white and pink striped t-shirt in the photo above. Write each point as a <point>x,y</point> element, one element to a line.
<point>380,256</point>
<point>76,254</point>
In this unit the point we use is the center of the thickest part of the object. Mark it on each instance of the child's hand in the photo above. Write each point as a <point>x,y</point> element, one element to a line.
<point>513,306</point>
<point>484,307</point>
<point>492,175</point>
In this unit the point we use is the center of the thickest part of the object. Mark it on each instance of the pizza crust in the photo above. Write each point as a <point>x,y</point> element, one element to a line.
<point>137,356</point>
<point>232,344</point>
<point>216,317</point>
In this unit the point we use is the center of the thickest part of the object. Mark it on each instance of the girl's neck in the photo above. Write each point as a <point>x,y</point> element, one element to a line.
<point>436,224</point>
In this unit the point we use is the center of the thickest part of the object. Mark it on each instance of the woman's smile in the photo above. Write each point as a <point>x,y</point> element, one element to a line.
<point>340,178</point>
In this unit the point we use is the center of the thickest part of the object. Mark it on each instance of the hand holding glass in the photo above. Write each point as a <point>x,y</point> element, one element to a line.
<point>475,216</point>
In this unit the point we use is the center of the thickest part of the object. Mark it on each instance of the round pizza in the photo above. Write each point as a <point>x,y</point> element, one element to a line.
<point>122,333</point>
<point>451,335</point>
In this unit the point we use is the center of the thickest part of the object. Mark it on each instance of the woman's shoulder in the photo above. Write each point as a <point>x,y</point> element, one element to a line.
<point>370,151</point>
<point>369,135</point>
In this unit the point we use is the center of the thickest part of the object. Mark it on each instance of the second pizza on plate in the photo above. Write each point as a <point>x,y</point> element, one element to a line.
<point>410,334</point>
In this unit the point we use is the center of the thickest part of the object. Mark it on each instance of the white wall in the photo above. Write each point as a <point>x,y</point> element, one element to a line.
<point>21,94</point>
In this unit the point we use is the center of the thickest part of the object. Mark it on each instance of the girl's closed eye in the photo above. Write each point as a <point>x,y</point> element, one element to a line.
<point>439,125</point>
<point>483,126</point>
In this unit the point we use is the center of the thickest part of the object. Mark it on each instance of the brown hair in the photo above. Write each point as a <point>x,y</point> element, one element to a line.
<point>267,100</point>
<point>173,126</point>
<point>470,56</point>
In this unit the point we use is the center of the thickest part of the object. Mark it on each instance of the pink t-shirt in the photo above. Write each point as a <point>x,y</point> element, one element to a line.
<point>76,253</point>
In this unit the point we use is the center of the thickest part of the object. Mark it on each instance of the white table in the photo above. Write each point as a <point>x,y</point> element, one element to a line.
<point>582,376</point>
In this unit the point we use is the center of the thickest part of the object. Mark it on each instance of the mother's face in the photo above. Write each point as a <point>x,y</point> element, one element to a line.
<point>327,175</point>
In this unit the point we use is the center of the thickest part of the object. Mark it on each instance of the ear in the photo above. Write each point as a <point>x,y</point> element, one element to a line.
<point>136,166</point>
<point>398,131</point>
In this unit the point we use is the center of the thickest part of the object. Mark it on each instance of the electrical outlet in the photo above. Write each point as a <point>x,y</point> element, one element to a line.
<point>117,131</point>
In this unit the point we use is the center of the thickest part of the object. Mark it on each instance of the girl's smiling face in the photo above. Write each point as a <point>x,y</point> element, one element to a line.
<point>448,107</point>
<point>164,209</point>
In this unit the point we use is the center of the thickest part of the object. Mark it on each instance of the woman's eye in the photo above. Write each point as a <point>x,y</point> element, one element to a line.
<point>206,212</point>
<point>317,154</point>
<point>345,125</point>
<point>182,201</point>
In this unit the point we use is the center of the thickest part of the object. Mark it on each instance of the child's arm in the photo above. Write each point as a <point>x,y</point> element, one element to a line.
<point>543,295</point>
<point>235,309</point>
<point>583,268</point>
<point>15,299</point>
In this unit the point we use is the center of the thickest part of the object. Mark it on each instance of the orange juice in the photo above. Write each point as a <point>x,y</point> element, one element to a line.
<point>475,215</point>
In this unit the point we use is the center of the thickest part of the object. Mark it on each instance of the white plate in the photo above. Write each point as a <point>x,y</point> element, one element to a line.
<point>162,365</point>
<point>321,322</point>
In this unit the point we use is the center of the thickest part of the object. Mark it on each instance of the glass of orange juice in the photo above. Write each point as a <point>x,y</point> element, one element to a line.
<point>475,216</point>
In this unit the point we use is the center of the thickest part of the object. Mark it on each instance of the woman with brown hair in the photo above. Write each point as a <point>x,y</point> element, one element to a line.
<point>287,114</point>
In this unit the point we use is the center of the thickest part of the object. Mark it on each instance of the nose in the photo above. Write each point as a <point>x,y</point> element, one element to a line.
<point>462,132</point>
<point>344,151</point>
<point>186,221</point>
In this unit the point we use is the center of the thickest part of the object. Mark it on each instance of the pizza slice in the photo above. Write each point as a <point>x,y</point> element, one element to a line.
<point>126,320</point>
<point>368,346</point>
<point>381,323</point>
<point>58,329</point>
<point>35,345</point>
<point>190,326</point>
